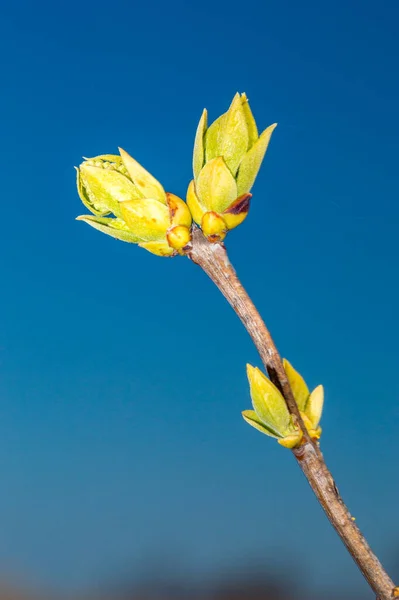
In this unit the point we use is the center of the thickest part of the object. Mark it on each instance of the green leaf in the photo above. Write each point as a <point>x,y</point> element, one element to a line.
<point>298,385</point>
<point>268,402</point>
<point>228,136</point>
<point>212,139</point>
<point>147,218</point>
<point>178,210</point>
<point>252,418</point>
<point>216,187</point>
<point>97,208</point>
<point>251,123</point>
<point>252,161</point>
<point>142,179</point>
<point>199,149</point>
<point>234,136</point>
<point>193,203</point>
<point>159,248</point>
<point>116,228</point>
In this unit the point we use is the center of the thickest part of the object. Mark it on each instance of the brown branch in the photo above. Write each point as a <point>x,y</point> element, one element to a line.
<point>213,259</point>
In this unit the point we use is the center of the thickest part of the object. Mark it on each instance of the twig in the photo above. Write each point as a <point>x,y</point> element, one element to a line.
<point>213,259</point>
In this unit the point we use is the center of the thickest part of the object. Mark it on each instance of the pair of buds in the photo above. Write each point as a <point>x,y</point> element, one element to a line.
<point>129,204</point>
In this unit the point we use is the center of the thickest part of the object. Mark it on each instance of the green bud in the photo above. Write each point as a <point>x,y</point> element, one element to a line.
<point>270,414</point>
<point>227,157</point>
<point>178,237</point>
<point>142,213</point>
<point>214,226</point>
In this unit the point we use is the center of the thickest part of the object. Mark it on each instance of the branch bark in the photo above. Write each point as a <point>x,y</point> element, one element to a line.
<point>213,259</point>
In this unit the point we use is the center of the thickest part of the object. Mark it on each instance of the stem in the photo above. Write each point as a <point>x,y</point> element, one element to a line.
<point>213,259</point>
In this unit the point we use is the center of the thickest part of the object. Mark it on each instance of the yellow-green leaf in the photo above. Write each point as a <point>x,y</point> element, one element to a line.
<point>216,187</point>
<point>106,188</point>
<point>147,218</point>
<point>116,228</point>
<point>252,161</point>
<point>159,248</point>
<point>97,208</point>
<point>233,137</point>
<point>251,123</point>
<point>252,418</point>
<point>193,203</point>
<point>298,385</point>
<point>213,139</point>
<point>178,210</point>
<point>268,402</point>
<point>142,179</point>
<point>199,149</point>
<point>314,406</point>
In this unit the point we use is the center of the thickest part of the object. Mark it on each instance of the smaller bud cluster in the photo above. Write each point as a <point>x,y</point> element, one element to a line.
<point>271,415</point>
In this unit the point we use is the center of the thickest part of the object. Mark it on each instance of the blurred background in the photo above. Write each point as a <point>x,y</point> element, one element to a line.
<point>126,468</point>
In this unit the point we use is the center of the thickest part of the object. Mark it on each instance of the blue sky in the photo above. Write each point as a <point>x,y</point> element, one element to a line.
<point>122,443</point>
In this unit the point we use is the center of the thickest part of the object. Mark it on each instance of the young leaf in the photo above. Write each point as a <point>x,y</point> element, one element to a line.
<point>252,418</point>
<point>298,385</point>
<point>147,218</point>
<point>160,248</point>
<point>251,123</point>
<point>314,405</point>
<point>213,138</point>
<point>199,149</point>
<point>196,208</point>
<point>116,228</point>
<point>148,186</point>
<point>105,188</point>
<point>233,137</point>
<point>252,161</point>
<point>216,187</point>
<point>268,402</point>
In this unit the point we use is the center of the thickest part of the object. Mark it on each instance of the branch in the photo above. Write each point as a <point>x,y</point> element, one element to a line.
<point>213,259</point>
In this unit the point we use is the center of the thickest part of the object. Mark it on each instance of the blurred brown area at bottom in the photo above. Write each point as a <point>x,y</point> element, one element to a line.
<point>15,592</point>
<point>235,590</point>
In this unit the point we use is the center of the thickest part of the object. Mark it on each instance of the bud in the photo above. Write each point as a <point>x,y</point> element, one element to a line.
<point>227,157</point>
<point>270,414</point>
<point>129,204</point>
<point>309,404</point>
